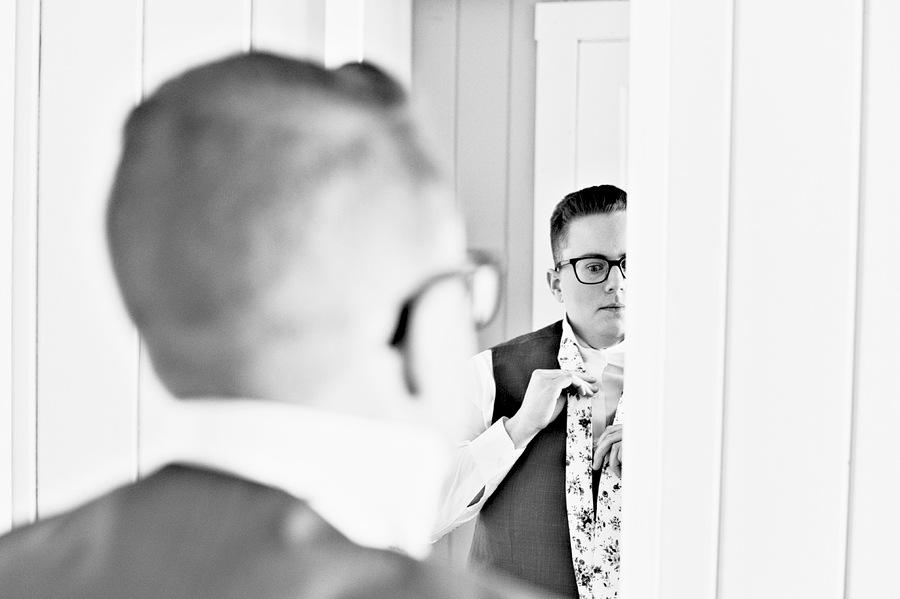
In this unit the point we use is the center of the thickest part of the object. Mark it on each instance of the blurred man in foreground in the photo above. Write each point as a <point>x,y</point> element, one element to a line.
<point>288,250</point>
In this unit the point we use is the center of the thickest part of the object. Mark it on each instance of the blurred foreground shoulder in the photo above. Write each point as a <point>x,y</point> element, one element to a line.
<point>191,533</point>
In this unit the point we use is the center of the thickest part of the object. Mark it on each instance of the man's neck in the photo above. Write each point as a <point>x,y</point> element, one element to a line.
<point>314,455</point>
<point>597,340</point>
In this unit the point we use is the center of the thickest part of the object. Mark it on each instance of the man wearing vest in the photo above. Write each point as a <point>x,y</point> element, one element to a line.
<point>541,463</point>
<point>259,204</point>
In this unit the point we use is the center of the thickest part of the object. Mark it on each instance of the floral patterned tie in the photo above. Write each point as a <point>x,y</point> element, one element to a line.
<point>594,538</point>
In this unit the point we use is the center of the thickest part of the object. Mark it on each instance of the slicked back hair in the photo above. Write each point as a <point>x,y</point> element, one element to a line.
<point>600,199</point>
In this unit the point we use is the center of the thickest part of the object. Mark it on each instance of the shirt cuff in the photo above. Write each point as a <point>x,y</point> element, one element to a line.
<point>494,452</point>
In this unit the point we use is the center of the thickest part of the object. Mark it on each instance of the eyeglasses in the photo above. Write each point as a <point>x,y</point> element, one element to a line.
<point>593,269</point>
<point>481,276</point>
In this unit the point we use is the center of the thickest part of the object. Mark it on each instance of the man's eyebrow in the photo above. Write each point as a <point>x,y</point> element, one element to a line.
<point>604,256</point>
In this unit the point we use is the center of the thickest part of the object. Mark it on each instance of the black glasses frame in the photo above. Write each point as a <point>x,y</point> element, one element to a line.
<point>476,260</point>
<point>573,261</point>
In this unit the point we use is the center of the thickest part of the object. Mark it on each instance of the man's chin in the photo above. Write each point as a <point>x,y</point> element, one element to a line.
<point>611,322</point>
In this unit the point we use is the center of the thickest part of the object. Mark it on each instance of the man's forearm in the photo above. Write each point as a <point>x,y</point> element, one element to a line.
<point>520,432</point>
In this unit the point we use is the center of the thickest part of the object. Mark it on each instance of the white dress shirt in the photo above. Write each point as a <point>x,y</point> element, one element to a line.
<point>487,453</point>
<point>378,482</point>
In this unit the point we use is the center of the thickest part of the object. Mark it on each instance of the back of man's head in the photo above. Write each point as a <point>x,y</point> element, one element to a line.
<point>267,219</point>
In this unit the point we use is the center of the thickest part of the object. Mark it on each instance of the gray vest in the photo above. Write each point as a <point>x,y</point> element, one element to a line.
<point>522,528</point>
<point>188,533</point>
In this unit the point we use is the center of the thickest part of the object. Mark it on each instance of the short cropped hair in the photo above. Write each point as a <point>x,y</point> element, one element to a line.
<point>600,199</point>
<point>227,164</point>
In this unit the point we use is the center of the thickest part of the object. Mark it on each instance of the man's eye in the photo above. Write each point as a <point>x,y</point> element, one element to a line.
<point>595,266</point>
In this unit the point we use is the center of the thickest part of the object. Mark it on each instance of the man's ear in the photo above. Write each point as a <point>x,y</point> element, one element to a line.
<point>554,283</point>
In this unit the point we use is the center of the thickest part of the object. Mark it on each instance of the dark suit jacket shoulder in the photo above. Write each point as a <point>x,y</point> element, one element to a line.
<point>190,533</point>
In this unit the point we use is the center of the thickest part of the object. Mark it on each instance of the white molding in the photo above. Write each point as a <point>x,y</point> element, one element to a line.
<point>586,21</point>
<point>24,265</point>
<point>874,521</point>
<point>7,175</point>
<point>554,159</point>
<point>697,242</point>
<point>648,194</point>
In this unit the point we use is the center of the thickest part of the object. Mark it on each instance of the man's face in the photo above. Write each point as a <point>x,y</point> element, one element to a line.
<point>596,312</point>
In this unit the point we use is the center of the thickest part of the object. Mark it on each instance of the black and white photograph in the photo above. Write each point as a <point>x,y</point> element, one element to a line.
<point>327,299</point>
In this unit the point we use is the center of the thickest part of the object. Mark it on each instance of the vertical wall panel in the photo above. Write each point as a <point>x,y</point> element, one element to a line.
<point>648,173</point>
<point>24,265</point>
<point>434,71</point>
<point>554,160</point>
<point>695,296</point>
<point>875,494</point>
<point>791,298</point>
<point>7,153</point>
<point>433,89</point>
<point>183,34</point>
<point>86,351</point>
<point>292,27</point>
<point>678,229</point>
<point>520,176</point>
<point>482,121</point>
<point>601,108</point>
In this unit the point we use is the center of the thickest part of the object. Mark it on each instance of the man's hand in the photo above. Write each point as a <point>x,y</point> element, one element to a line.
<point>544,400</point>
<point>608,449</point>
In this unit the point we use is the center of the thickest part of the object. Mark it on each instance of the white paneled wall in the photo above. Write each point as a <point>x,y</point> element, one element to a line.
<point>22,284</point>
<point>86,358</point>
<point>481,138</point>
<point>762,303</point>
<point>874,520</point>
<point>172,35</point>
<point>289,27</point>
<point>792,294</point>
<point>678,228</point>
<point>762,165</point>
<point>7,151</point>
<point>74,384</point>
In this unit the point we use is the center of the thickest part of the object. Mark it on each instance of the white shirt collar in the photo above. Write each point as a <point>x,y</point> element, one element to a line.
<point>377,482</point>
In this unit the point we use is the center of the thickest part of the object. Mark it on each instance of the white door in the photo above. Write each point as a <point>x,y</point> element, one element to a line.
<point>580,116</point>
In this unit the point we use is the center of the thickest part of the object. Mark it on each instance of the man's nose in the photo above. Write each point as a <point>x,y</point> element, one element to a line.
<point>616,280</point>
